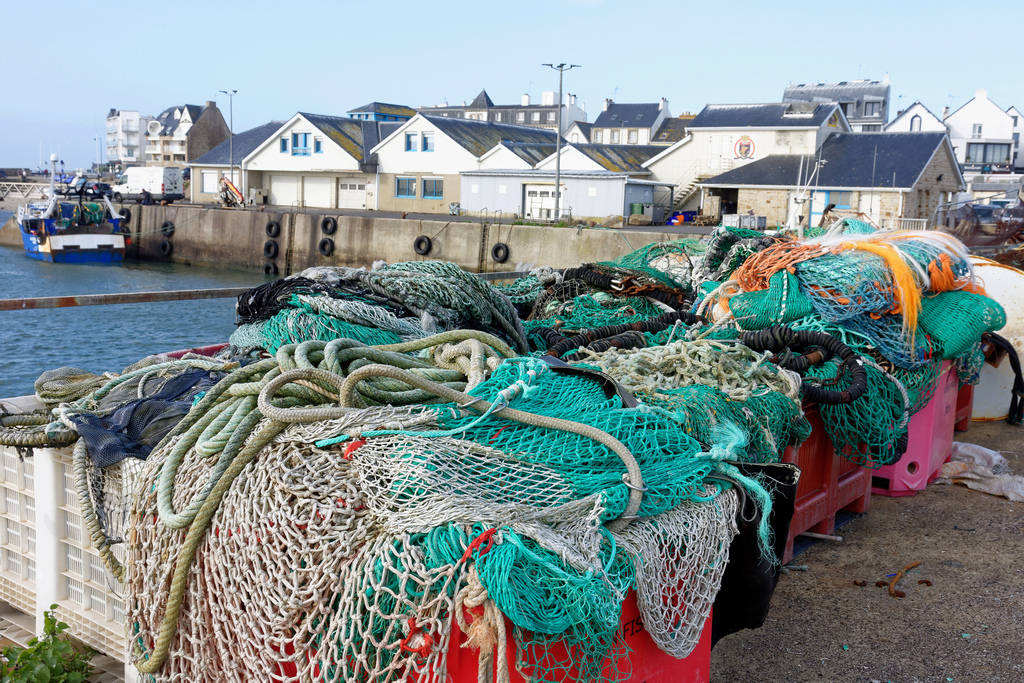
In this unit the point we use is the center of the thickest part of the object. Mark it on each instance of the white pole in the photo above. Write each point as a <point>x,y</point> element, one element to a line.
<point>560,68</point>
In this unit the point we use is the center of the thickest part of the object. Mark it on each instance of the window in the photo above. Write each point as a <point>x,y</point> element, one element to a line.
<point>872,109</point>
<point>847,108</point>
<point>980,153</point>
<point>870,128</point>
<point>551,116</point>
<point>318,145</point>
<point>300,144</point>
<point>615,137</point>
<point>209,182</point>
<point>575,137</point>
<point>842,200</point>
<point>284,145</point>
<point>410,142</point>
<point>405,187</point>
<point>633,135</point>
<point>497,116</point>
<point>915,123</point>
<point>521,116</point>
<point>639,116</point>
<point>976,130</point>
<point>535,117</point>
<point>428,143</point>
<point>433,189</point>
<point>598,137</point>
<point>1014,121</point>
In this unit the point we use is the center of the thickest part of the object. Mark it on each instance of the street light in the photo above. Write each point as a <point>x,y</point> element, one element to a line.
<point>560,68</point>
<point>231,130</point>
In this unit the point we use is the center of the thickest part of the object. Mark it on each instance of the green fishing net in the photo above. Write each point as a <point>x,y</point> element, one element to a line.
<point>782,302</point>
<point>955,321</point>
<point>670,263</point>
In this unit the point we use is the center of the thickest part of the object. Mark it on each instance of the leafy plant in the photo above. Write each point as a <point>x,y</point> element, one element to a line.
<point>51,658</point>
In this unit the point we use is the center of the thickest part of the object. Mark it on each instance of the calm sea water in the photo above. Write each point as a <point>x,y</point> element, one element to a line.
<point>104,338</point>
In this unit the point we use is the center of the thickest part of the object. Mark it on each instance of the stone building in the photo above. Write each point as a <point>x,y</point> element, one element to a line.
<point>182,133</point>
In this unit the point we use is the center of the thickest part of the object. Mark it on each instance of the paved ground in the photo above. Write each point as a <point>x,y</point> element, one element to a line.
<point>967,627</point>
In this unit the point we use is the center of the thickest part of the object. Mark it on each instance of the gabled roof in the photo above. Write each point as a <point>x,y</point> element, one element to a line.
<point>530,152</point>
<point>478,137</point>
<point>907,111</point>
<point>584,127</point>
<point>835,90</point>
<point>773,115</point>
<point>619,158</point>
<point>852,160</point>
<point>348,133</point>
<point>671,130</point>
<point>481,101</point>
<point>244,144</point>
<point>168,124</point>
<point>619,115</point>
<point>384,109</point>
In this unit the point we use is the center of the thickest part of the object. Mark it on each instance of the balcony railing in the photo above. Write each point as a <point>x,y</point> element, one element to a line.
<point>905,224</point>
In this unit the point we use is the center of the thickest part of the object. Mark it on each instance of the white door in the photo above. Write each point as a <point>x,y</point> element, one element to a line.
<point>351,193</point>
<point>284,190</point>
<point>540,201</point>
<point>317,191</point>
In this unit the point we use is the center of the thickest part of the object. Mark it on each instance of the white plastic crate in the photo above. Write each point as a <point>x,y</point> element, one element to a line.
<point>17,532</point>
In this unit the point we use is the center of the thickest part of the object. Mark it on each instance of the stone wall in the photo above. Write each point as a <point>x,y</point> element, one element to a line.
<point>772,204</point>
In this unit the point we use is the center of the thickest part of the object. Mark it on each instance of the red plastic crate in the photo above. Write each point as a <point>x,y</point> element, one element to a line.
<point>828,483</point>
<point>929,444</point>
<point>964,407</point>
<point>647,663</point>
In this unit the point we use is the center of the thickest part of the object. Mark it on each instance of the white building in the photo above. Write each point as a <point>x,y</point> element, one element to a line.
<point>628,124</point>
<point>916,118</point>
<point>125,140</point>
<point>982,136</point>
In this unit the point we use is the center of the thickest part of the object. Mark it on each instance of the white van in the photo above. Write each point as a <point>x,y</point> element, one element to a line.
<point>163,183</point>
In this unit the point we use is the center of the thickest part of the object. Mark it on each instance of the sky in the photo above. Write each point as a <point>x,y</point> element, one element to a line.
<point>68,63</point>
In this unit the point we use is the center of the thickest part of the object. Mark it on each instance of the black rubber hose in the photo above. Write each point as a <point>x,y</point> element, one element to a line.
<point>550,336</point>
<point>1016,414</point>
<point>589,336</point>
<point>627,340</point>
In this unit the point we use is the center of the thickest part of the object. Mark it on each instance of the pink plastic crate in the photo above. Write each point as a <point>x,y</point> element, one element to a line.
<point>929,444</point>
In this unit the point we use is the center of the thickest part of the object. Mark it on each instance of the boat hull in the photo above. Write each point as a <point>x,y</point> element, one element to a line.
<point>102,248</point>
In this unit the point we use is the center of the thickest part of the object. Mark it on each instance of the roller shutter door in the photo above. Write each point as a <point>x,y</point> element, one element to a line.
<point>284,190</point>
<point>352,193</point>
<point>317,191</point>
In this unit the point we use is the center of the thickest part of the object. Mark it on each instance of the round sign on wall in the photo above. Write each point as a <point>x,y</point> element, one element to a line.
<point>744,148</point>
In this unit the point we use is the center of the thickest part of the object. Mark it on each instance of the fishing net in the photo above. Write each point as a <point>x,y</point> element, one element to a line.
<point>727,250</point>
<point>84,213</point>
<point>592,310</point>
<point>670,263</point>
<point>782,302</point>
<point>955,321</point>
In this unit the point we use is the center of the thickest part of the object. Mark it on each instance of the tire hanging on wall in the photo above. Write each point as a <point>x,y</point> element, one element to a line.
<point>500,252</point>
<point>269,268</point>
<point>273,229</point>
<point>167,229</point>
<point>166,248</point>
<point>422,245</point>
<point>270,249</point>
<point>326,246</point>
<point>127,215</point>
<point>328,225</point>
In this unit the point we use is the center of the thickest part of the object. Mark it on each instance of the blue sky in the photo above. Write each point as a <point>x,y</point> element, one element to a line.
<point>68,63</point>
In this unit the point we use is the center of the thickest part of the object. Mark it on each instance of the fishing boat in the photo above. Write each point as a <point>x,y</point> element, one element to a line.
<point>73,231</point>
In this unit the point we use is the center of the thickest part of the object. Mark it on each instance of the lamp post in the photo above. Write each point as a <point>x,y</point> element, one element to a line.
<point>231,130</point>
<point>560,68</point>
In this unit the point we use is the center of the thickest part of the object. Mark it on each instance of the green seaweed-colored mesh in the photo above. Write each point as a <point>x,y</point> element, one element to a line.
<point>782,302</point>
<point>955,321</point>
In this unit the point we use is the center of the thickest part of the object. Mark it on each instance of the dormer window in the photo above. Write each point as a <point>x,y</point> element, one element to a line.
<point>614,117</point>
<point>639,116</point>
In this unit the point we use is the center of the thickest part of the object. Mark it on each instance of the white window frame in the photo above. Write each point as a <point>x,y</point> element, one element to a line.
<point>633,137</point>
<point>976,131</point>
<point>535,117</point>
<point>614,140</point>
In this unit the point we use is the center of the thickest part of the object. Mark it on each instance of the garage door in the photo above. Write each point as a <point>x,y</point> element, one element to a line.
<point>284,190</point>
<point>317,191</point>
<point>352,193</point>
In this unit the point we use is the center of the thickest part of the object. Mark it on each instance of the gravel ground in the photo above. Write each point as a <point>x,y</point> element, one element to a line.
<point>967,626</point>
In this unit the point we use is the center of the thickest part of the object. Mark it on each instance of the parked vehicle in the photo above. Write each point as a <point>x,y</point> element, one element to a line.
<point>90,189</point>
<point>161,182</point>
<point>3,174</point>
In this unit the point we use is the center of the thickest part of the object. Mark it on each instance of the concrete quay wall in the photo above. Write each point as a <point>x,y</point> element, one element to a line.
<point>237,239</point>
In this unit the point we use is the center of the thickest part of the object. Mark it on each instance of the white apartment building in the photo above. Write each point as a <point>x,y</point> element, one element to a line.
<point>125,140</point>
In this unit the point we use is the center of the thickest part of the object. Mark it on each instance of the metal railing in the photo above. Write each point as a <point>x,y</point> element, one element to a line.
<point>23,190</point>
<point>905,224</point>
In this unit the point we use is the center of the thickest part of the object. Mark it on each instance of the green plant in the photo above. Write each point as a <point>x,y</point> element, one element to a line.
<point>52,658</point>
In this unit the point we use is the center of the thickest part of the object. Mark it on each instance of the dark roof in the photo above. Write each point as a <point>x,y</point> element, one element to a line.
<point>244,144</point>
<point>386,128</point>
<point>481,101</point>
<point>883,160</point>
<point>348,133</point>
<point>620,158</point>
<point>477,137</point>
<point>671,131</point>
<point>834,91</point>
<point>628,115</point>
<point>794,115</point>
<point>584,127</point>
<point>531,152</point>
<point>168,124</point>
<point>384,109</point>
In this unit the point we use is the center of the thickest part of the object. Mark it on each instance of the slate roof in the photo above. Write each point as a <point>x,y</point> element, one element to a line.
<point>348,133</point>
<point>169,124</point>
<point>620,158</point>
<point>244,144</point>
<point>477,137</point>
<point>671,131</point>
<point>853,160</point>
<point>384,109</point>
<point>906,112</point>
<point>619,115</point>
<point>531,152</point>
<point>834,91</point>
<point>793,115</point>
<point>584,127</point>
<point>481,101</point>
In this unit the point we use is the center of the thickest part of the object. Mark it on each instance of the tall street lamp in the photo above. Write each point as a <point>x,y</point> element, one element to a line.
<point>231,130</point>
<point>560,68</point>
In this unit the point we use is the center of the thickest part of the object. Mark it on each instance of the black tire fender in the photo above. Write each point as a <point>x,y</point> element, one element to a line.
<point>273,229</point>
<point>326,246</point>
<point>167,229</point>
<point>166,248</point>
<point>328,225</point>
<point>270,249</point>
<point>270,268</point>
<point>500,252</point>
<point>422,245</point>
<point>127,215</point>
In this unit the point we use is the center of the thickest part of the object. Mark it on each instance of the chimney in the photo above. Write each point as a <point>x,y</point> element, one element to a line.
<point>607,103</point>
<point>211,104</point>
<point>547,98</point>
<point>663,104</point>
<point>526,100</point>
<point>945,113</point>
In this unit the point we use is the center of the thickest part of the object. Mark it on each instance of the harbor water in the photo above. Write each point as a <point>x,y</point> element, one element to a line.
<point>105,338</point>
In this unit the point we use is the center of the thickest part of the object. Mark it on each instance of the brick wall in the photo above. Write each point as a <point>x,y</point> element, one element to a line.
<point>772,204</point>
